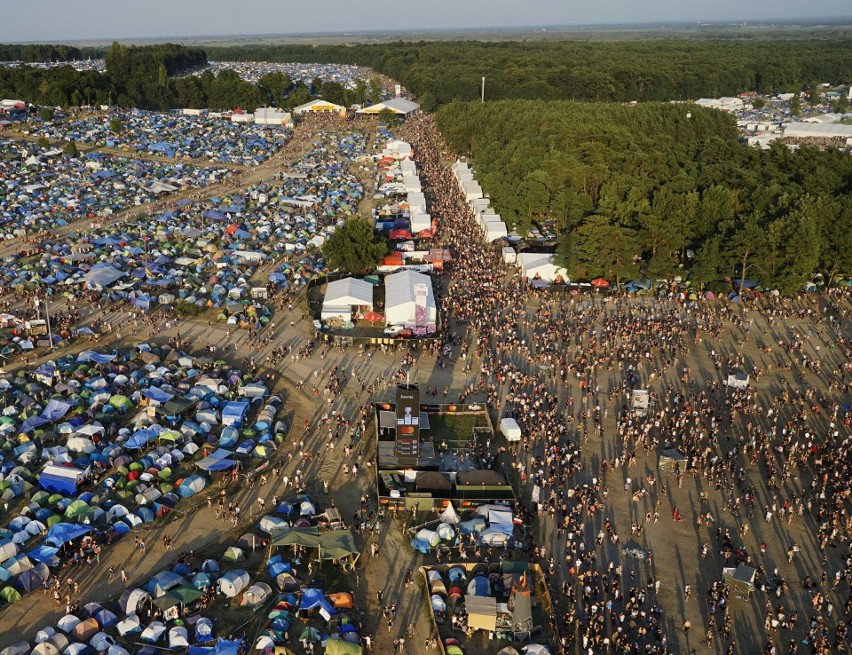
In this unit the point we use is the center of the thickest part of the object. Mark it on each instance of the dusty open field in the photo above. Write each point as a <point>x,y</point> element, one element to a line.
<point>676,546</point>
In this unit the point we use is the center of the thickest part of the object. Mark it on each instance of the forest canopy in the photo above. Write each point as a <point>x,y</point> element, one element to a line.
<point>442,71</point>
<point>635,190</point>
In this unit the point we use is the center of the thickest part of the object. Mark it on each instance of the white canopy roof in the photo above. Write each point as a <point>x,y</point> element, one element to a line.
<point>349,291</point>
<point>317,105</point>
<point>533,263</point>
<point>401,106</point>
<point>400,298</point>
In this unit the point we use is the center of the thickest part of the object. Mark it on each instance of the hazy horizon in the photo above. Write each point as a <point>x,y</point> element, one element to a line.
<point>51,21</point>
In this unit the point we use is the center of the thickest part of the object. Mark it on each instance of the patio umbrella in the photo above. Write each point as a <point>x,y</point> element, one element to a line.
<point>373,317</point>
<point>600,283</point>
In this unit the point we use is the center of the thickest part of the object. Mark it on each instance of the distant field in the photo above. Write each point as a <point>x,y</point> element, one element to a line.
<point>840,29</point>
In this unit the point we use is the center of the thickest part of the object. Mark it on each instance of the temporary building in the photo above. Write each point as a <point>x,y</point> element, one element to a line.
<point>233,582</point>
<point>510,429</point>
<point>481,612</point>
<point>410,301</point>
<point>433,481</point>
<point>233,554</point>
<point>84,630</point>
<point>398,106</point>
<point>540,266</point>
<point>191,485</point>
<point>8,549</point>
<point>272,116</point>
<point>178,637</point>
<point>342,295</point>
<point>319,106</point>
<point>234,412</point>
<point>67,623</point>
<point>129,625</point>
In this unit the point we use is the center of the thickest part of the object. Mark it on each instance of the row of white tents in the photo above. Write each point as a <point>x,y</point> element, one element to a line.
<point>490,222</point>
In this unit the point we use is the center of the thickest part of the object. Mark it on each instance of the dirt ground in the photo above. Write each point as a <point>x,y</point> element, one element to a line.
<point>675,546</point>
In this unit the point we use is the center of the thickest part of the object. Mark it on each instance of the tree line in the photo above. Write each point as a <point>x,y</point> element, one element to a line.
<point>442,71</point>
<point>658,190</point>
<point>156,77</point>
<point>33,52</point>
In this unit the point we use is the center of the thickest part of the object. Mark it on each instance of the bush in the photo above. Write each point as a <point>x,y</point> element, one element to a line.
<point>186,309</point>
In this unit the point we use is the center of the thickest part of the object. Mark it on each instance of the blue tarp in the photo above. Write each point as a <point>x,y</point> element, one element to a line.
<point>140,438</point>
<point>61,533</point>
<point>222,647</point>
<point>314,598</point>
<point>215,464</point>
<point>157,395</point>
<point>43,554</point>
<point>54,411</point>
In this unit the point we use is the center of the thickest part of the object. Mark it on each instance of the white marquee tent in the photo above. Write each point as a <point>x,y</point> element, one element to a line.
<point>399,106</point>
<point>342,295</point>
<point>534,264</point>
<point>400,299</point>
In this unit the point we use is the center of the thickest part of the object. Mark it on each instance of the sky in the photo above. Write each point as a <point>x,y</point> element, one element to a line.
<point>51,21</point>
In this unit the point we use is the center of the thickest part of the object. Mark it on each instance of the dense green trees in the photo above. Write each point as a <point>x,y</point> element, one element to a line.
<point>439,72</point>
<point>33,52</point>
<point>356,247</point>
<point>634,189</point>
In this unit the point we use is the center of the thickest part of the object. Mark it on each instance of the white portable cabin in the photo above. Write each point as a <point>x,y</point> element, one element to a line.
<point>464,176</point>
<point>509,255</point>
<point>480,205</point>
<point>510,429</point>
<point>640,401</point>
<point>738,381</point>
<point>494,231</point>
<point>420,222</point>
<point>472,190</point>
<point>416,202</point>
<point>412,183</point>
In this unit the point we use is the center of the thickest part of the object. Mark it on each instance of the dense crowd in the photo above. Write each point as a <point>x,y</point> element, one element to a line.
<point>534,351</point>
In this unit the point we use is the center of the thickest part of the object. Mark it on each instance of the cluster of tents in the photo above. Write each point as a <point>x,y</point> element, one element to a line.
<point>110,441</point>
<point>251,71</point>
<point>497,598</point>
<point>167,611</point>
<point>490,525</point>
<point>43,189</point>
<point>175,135</point>
<point>205,253</point>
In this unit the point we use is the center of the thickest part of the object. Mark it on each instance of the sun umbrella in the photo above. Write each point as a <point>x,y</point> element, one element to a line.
<point>600,283</point>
